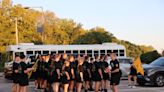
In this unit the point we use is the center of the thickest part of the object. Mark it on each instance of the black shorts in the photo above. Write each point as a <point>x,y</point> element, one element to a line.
<point>15,78</point>
<point>24,81</point>
<point>115,79</point>
<point>86,76</point>
<point>105,76</point>
<point>133,73</point>
<point>96,77</point>
<point>64,80</point>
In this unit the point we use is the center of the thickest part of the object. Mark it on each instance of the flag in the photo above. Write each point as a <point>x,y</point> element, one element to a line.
<point>138,66</point>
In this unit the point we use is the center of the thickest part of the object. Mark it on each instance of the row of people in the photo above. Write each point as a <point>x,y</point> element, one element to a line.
<point>63,71</point>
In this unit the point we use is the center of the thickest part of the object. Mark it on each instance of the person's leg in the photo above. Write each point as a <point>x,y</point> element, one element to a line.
<point>135,80</point>
<point>14,87</point>
<point>20,88</point>
<point>115,87</point>
<point>91,85</point>
<point>97,86</point>
<point>79,85</point>
<point>102,84</point>
<point>129,80</point>
<point>45,84</point>
<point>25,88</point>
<point>55,87</point>
<point>42,83</point>
<point>71,86</point>
<point>39,83</point>
<point>66,87</point>
<point>112,88</point>
<point>86,86</point>
<point>105,85</point>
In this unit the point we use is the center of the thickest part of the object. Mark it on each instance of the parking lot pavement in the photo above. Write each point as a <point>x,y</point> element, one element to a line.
<point>5,86</point>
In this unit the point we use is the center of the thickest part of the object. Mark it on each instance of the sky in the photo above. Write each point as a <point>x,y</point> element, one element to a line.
<point>138,21</point>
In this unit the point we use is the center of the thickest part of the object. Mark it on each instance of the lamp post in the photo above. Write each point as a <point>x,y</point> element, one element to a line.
<point>16,30</point>
<point>43,17</point>
<point>15,20</point>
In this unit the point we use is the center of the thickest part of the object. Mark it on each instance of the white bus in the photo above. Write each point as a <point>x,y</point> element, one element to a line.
<point>87,49</point>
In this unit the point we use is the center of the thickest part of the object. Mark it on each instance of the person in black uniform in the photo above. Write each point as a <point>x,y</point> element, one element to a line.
<point>15,87</point>
<point>55,73</point>
<point>115,73</point>
<point>79,75</point>
<point>97,74</point>
<point>105,72</point>
<point>102,68</point>
<point>72,76</point>
<point>87,74</point>
<point>49,78</point>
<point>23,72</point>
<point>65,76</point>
<point>42,70</point>
<point>132,75</point>
<point>91,72</point>
<point>63,58</point>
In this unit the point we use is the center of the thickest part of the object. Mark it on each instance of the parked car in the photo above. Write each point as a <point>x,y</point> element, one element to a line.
<point>153,73</point>
<point>125,63</point>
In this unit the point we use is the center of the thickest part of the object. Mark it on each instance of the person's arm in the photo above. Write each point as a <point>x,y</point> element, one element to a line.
<point>81,76</point>
<point>67,74</point>
<point>58,72</point>
<point>89,72</point>
<point>115,71</point>
<point>72,72</point>
<point>100,72</point>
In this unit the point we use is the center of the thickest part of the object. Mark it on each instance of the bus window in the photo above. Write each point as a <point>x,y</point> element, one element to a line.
<point>60,52</point>
<point>19,53</point>
<point>75,53</point>
<point>102,52</point>
<point>68,52</point>
<point>82,52</point>
<point>29,52</point>
<point>10,56</point>
<point>89,53</point>
<point>122,53</point>
<point>45,52</point>
<point>116,52</point>
<point>38,52</point>
<point>96,53</point>
<point>53,52</point>
<point>109,51</point>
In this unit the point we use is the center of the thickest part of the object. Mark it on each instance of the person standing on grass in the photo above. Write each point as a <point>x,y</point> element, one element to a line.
<point>115,72</point>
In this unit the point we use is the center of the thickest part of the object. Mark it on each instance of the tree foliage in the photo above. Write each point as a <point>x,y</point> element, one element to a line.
<point>56,30</point>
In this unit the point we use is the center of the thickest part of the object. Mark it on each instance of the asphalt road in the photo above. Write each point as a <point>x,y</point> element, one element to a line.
<point>5,86</point>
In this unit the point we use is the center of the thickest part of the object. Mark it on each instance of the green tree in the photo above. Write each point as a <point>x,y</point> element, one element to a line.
<point>95,36</point>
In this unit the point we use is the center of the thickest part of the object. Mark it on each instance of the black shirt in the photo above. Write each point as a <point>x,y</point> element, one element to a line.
<point>104,65</point>
<point>114,64</point>
<point>15,67</point>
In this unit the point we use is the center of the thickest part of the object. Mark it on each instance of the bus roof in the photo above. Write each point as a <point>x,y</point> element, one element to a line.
<point>29,47</point>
